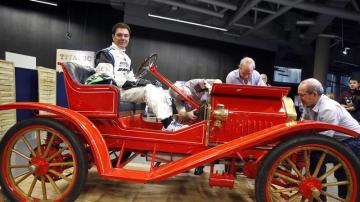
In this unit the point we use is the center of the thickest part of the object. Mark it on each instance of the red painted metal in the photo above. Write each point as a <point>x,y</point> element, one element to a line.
<point>246,90</point>
<point>226,149</point>
<point>93,101</point>
<point>189,140</point>
<point>120,156</point>
<point>250,168</point>
<point>257,118</point>
<point>307,185</point>
<point>41,164</point>
<point>57,159</point>
<point>251,109</point>
<point>221,180</point>
<point>87,128</point>
<point>147,139</point>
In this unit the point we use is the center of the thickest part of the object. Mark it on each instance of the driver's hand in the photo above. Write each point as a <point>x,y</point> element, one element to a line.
<point>191,114</point>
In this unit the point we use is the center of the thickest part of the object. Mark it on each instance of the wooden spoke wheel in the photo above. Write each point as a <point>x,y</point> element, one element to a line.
<point>42,160</point>
<point>304,169</point>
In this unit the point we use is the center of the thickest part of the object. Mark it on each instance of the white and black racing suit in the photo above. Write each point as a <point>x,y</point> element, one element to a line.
<point>114,62</point>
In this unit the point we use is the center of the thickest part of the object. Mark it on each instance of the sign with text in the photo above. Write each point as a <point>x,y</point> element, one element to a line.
<point>84,58</point>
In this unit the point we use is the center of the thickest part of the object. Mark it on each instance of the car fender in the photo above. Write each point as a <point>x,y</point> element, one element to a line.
<point>317,126</point>
<point>91,133</point>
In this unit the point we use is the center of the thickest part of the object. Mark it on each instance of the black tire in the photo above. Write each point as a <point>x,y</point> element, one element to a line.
<point>65,146</point>
<point>271,181</point>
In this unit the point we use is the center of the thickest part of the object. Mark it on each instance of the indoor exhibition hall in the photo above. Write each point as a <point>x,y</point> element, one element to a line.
<point>180,100</point>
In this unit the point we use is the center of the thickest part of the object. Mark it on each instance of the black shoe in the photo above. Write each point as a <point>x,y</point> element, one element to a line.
<point>199,170</point>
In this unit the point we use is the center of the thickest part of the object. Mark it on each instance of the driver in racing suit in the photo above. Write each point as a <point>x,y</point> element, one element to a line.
<point>114,63</point>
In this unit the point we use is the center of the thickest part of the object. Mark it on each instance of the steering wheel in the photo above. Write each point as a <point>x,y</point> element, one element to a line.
<point>142,70</point>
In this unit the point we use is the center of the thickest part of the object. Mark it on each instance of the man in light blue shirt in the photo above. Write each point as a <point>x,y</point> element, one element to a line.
<point>246,74</point>
<point>319,107</point>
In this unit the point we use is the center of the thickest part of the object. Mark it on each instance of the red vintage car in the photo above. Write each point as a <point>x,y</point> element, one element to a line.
<point>249,129</point>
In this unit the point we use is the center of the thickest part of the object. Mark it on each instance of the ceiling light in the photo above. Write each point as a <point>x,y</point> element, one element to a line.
<point>187,22</point>
<point>345,51</point>
<point>45,2</point>
<point>304,22</point>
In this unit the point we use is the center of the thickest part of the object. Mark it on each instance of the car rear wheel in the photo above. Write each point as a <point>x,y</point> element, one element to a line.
<point>296,171</point>
<point>42,160</point>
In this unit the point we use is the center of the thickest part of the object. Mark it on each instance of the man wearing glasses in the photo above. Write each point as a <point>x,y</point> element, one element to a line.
<point>319,107</point>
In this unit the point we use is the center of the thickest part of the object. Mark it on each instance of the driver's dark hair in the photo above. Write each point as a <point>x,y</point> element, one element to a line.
<point>120,25</point>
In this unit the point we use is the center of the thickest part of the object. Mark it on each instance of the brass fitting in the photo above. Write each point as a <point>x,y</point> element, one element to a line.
<point>220,114</point>
<point>289,109</point>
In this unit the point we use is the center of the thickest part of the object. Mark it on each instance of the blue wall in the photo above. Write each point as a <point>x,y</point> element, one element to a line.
<point>61,99</point>
<point>26,82</point>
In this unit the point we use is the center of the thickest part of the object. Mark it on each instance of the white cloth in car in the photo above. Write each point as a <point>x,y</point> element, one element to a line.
<point>153,96</point>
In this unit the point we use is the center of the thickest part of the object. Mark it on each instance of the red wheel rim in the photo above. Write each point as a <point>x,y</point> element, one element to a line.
<point>282,185</point>
<point>39,166</point>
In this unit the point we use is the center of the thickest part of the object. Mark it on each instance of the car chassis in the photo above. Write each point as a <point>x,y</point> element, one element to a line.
<point>251,129</point>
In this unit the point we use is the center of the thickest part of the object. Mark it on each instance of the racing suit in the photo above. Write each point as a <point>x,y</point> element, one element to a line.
<point>114,62</point>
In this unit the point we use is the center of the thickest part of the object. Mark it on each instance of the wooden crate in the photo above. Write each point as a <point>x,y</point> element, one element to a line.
<point>47,85</point>
<point>7,95</point>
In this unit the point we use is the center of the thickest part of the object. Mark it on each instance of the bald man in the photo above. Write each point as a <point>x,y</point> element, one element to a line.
<point>319,107</point>
<point>245,74</point>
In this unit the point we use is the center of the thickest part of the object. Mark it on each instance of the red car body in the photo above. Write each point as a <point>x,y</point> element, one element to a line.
<point>240,127</point>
